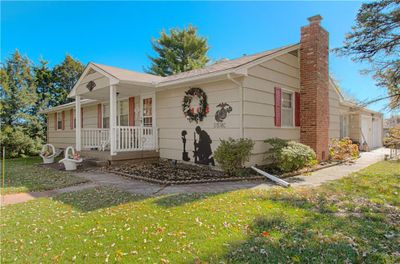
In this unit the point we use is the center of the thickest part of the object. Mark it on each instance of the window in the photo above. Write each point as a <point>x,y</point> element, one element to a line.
<point>343,126</point>
<point>59,121</point>
<point>106,116</point>
<point>124,113</point>
<point>287,109</point>
<point>147,112</point>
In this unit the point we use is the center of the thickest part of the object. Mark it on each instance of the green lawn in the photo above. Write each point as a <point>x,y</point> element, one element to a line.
<point>354,220</point>
<point>25,175</point>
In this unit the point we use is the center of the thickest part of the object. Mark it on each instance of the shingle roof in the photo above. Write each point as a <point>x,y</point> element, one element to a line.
<point>127,75</point>
<point>224,65</point>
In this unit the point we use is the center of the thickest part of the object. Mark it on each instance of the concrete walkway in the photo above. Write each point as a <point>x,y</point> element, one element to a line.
<point>24,197</point>
<point>98,178</point>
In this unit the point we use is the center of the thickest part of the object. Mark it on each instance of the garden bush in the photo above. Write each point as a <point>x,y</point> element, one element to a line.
<point>231,154</point>
<point>289,156</point>
<point>343,149</point>
<point>18,143</point>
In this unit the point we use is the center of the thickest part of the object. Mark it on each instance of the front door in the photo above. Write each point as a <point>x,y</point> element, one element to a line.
<point>147,118</point>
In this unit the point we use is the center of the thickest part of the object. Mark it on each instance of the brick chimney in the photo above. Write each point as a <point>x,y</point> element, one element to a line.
<point>314,87</point>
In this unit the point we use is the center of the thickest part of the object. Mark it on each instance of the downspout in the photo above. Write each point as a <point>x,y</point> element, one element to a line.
<point>240,86</point>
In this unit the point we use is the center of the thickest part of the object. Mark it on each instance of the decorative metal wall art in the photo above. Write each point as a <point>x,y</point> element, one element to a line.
<point>202,147</point>
<point>185,154</point>
<point>90,86</point>
<point>221,114</point>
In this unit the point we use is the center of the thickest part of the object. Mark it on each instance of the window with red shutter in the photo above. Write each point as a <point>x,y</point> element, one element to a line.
<point>278,105</point>
<point>99,116</point>
<point>71,119</point>
<point>63,120</point>
<point>131,111</point>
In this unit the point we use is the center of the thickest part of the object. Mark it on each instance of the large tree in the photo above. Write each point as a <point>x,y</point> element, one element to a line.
<point>65,75</point>
<point>376,39</point>
<point>178,51</point>
<point>18,93</point>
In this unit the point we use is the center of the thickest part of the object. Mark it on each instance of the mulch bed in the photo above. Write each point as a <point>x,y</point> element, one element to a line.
<point>166,172</point>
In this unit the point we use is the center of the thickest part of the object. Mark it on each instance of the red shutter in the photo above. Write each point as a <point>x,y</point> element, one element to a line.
<point>55,121</point>
<point>297,109</point>
<point>132,111</point>
<point>278,103</point>
<point>99,116</point>
<point>71,118</point>
<point>81,117</point>
<point>63,120</point>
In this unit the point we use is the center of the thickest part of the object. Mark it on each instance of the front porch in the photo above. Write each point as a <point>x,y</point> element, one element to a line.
<point>126,123</point>
<point>132,143</point>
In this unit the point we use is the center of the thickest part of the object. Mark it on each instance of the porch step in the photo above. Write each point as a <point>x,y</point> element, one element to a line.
<point>104,156</point>
<point>96,162</point>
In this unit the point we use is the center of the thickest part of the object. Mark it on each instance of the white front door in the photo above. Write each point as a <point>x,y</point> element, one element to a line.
<point>147,109</point>
<point>377,132</point>
<point>366,130</point>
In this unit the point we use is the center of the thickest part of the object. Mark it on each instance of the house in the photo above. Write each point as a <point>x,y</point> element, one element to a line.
<point>285,92</point>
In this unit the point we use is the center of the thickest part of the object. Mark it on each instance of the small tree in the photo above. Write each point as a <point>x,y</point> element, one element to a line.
<point>393,138</point>
<point>178,51</point>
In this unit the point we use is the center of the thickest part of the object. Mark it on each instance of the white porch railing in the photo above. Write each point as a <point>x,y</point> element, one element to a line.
<point>131,138</point>
<point>95,138</point>
<point>128,138</point>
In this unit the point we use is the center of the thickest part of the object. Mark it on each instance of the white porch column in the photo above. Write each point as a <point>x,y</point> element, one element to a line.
<point>78,123</point>
<point>113,119</point>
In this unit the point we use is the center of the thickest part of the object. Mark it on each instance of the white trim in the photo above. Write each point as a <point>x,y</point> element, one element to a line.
<point>113,79</point>
<point>113,119</point>
<point>67,106</point>
<point>78,129</point>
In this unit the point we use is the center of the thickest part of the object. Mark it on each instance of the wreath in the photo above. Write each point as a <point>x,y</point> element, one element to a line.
<point>195,113</point>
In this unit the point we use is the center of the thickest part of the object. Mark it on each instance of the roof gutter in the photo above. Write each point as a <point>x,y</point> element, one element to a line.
<point>240,86</point>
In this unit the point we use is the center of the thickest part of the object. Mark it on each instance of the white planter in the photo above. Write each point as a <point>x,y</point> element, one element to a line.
<point>48,160</point>
<point>70,165</point>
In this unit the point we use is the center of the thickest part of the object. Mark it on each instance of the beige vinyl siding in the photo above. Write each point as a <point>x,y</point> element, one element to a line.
<point>61,138</point>
<point>171,120</point>
<point>66,137</point>
<point>334,112</point>
<point>258,101</point>
<point>355,127</point>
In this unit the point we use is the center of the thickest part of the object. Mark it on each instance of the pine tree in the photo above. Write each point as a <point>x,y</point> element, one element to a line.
<point>18,92</point>
<point>65,75</point>
<point>178,51</point>
<point>376,39</point>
